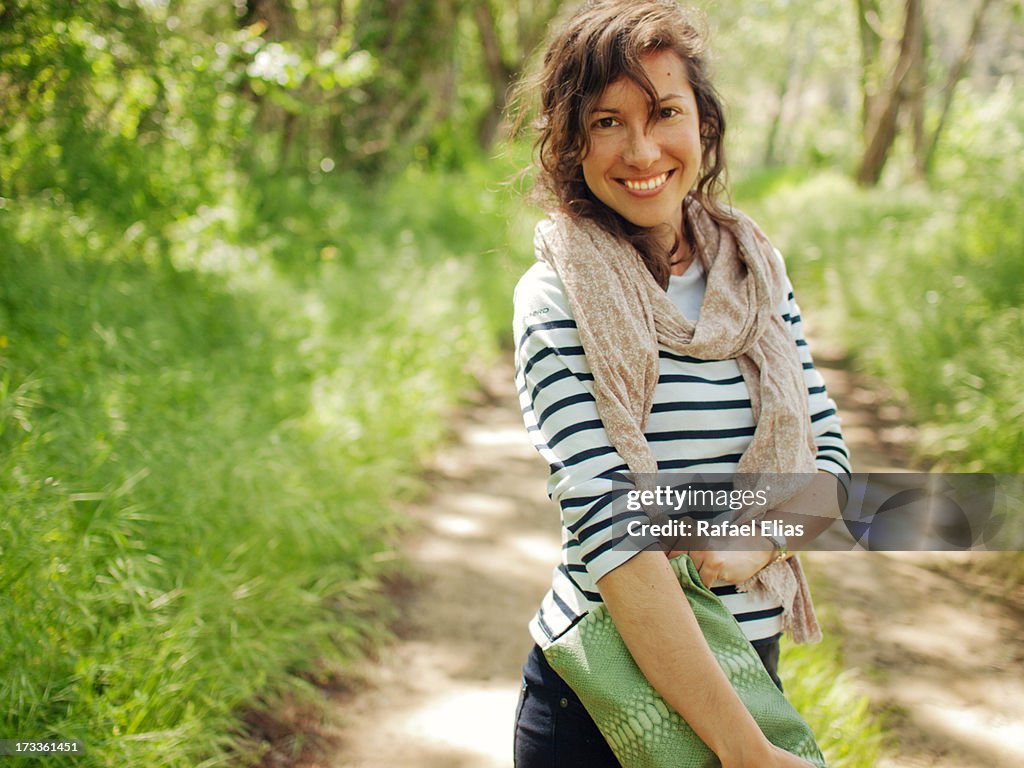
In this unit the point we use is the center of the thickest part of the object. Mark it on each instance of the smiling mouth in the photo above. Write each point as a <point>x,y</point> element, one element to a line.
<point>646,185</point>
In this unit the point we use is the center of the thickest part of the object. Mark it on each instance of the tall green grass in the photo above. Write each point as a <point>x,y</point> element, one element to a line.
<point>925,287</point>
<point>203,433</point>
<point>850,734</point>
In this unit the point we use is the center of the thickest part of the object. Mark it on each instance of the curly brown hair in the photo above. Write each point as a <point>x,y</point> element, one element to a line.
<point>601,43</point>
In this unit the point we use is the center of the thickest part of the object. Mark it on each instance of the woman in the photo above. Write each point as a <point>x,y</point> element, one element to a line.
<point>657,331</point>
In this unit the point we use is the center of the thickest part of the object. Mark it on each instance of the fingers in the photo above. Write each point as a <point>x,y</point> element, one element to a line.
<point>709,566</point>
<point>710,575</point>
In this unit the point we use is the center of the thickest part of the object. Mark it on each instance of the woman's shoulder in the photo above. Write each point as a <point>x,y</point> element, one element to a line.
<point>541,282</point>
<point>539,299</point>
<point>540,278</point>
<point>540,292</point>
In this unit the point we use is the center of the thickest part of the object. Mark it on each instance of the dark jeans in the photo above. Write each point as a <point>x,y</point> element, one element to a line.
<point>553,730</point>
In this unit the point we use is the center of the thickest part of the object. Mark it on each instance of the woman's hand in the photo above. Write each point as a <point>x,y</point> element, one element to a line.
<point>730,567</point>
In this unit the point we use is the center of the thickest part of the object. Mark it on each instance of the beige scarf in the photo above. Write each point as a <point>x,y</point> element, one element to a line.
<point>623,316</point>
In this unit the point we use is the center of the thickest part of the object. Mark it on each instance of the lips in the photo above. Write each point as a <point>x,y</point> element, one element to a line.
<point>647,184</point>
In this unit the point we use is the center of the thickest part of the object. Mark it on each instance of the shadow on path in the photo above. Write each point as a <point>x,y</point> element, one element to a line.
<point>943,660</point>
<point>444,695</point>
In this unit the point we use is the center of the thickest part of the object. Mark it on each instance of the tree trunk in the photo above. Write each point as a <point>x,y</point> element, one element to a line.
<point>882,130</point>
<point>533,25</point>
<point>499,74</point>
<point>277,15</point>
<point>956,73</point>
<point>443,82</point>
<point>869,25</point>
<point>771,149</point>
<point>916,88</point>
<point>288,130</point>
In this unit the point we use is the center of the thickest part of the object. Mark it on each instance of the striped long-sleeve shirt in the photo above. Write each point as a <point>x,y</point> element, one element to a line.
<point>701,421</point>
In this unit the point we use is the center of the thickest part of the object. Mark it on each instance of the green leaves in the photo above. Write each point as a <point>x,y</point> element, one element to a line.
<point>203,432</point>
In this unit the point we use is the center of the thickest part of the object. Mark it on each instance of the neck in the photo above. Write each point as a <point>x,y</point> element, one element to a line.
<point>682,257</point>
<point>681,260</point>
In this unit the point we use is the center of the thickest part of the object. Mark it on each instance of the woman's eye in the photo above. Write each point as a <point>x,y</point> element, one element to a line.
<point>668,112</point>
<point>604,122</point>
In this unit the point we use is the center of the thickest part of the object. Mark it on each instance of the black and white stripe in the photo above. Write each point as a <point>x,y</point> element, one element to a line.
<point>701,420</point>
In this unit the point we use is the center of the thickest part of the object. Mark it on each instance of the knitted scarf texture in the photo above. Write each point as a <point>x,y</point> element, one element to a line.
<point>623,316</point>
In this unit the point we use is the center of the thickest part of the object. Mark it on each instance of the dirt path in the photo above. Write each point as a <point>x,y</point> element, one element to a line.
<point>444,696</point>
<point>947,664</point>
<point>941,652</point>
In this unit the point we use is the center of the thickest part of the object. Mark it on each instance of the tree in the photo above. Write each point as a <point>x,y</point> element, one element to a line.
<point>504,56</point>
<point>880,124</point>
<point>956,73</point>
<point>783,68</point>
<point>906,89</point>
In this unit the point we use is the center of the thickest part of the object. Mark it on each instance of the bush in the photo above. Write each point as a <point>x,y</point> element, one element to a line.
<point>925,289</point>
<point>203,434</point>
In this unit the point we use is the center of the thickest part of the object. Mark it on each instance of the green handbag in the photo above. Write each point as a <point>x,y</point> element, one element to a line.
<point>640,727</point>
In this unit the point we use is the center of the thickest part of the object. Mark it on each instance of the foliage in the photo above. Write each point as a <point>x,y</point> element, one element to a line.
<point>924,286</point>
<point>233,238</point>
<point>798,105</point>
<point>202,437</point>
<point>826,694</point>
<point>804,101</point>
<point>139,106</point>
<point>108,110</point>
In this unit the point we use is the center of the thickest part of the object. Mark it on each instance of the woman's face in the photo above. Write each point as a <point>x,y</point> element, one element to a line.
<point>643,171</point>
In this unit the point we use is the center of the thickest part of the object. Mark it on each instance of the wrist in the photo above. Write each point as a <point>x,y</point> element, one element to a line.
<point>780,547</point>
<point>756,752</point>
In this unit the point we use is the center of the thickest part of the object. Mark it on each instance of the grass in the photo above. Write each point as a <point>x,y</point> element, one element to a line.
<point>850,733</point>
<point>204,428</point>
<point>924,288</point>
<point>203,434</point>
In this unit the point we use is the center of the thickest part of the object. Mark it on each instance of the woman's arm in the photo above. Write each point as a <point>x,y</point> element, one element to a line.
<point>556,394</point>
<point>658,627</point>
<point>814,509</point>
<point>832,456</point>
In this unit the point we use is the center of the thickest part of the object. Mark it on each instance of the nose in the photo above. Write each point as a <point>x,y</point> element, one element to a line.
<point>641,150</point>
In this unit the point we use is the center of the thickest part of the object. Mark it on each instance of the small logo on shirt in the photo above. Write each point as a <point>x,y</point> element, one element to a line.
<point>541,311</point>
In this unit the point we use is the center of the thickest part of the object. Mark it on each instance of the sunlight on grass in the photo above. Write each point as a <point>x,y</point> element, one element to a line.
<point>924,289</point>
<point>850,735</point>
<point>203,440</point>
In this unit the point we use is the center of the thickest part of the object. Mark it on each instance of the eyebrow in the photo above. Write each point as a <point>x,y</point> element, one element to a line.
<point>666,97</point>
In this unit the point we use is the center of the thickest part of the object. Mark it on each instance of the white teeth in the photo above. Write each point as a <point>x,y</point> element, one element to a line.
<point>646,184</point>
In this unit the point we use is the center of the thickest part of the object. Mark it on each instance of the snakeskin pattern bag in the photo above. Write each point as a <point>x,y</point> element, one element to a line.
<point>640,727</point>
